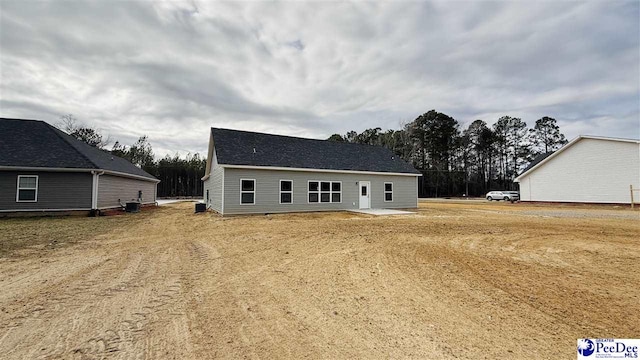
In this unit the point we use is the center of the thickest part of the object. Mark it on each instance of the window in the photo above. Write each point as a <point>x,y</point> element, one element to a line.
<point>247,191</point>
<point>27,188</point>
<point>314,191</point>
<point>336,192</point>
<point>388,192</point>
<point>286,191</point>
<point>325,191</point>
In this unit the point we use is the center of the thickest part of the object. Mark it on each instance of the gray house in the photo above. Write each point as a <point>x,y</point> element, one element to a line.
<point>42,169</point>
<point>249,173</point>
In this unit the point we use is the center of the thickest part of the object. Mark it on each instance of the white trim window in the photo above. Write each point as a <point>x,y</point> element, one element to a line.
<point>388,192</point>
<point>27,188</point>
<point>313,191</point>
<point>286,191</point>
<point>336,191</point>
<point>247,191</point>
<point>324,191</point>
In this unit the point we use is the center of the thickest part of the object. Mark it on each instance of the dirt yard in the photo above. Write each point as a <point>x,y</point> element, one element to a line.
<point>454,280</point>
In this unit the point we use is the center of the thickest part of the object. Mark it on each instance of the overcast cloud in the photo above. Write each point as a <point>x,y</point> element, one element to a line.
<point>171,70</point>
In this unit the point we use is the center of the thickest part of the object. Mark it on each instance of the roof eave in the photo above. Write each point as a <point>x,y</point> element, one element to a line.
<point>277,168</point>
<point>55,169</point>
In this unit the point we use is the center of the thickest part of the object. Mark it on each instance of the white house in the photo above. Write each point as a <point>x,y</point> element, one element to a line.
<point>589,169</point>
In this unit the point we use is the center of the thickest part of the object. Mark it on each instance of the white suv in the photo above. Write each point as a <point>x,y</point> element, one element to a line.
<point>502,195</point>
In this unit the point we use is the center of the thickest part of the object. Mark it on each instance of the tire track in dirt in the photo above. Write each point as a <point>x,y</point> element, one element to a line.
<point>55,297</point>
<point>477,284</point>
<point>158,308</point>
<point>81,300</point>
<point>559,285</point>
<point>237,326</point>
<point>200,272</point>
<point>447,296</point>
<point>186,286</point>
<point>78,293</point>
<point>127,338</point>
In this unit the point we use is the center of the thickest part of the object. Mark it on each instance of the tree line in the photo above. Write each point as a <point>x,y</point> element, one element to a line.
<point>470,161</point>
<point>452,160</point>
<point>179,176</point>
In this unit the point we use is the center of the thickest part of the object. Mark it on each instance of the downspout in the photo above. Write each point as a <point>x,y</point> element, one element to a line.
<point>222,200</point>
<point>94,189</point>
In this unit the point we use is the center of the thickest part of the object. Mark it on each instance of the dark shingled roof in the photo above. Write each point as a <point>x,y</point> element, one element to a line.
<point>34,143</point>
<point>536,161</point>
<point>235,147</point>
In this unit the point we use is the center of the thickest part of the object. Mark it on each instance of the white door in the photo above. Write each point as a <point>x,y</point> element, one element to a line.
<point>365,194</point>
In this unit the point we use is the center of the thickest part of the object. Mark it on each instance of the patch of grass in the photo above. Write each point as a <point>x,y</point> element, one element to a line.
<point>17,234</point>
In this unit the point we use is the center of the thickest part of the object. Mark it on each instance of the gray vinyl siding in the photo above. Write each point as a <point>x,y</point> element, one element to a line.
<point>405,191</point>
<point>206,186</point>
<point>111,189</point>
<point>56,191</point>
<point>214,185</point>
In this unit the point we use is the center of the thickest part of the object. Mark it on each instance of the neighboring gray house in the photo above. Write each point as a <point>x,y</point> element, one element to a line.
<point>42,169</point>
<point>249,173</point>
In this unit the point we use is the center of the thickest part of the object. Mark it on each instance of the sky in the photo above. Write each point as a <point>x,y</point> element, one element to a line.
<point>171,70</point>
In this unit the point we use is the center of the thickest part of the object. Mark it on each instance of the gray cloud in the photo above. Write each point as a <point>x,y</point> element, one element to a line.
<point>171,70</point>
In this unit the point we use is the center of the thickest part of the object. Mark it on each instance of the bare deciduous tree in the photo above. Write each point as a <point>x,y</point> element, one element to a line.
<point>69,124</point>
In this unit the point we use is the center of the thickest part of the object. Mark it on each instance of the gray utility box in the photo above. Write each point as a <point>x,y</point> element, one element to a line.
<point>201,207</point>
<point>132,207</point>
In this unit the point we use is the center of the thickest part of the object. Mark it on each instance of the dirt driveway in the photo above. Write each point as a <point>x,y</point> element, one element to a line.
<point>452,281</point>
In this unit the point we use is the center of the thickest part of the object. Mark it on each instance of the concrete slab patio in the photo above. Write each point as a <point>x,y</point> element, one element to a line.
<point>380,212</point>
